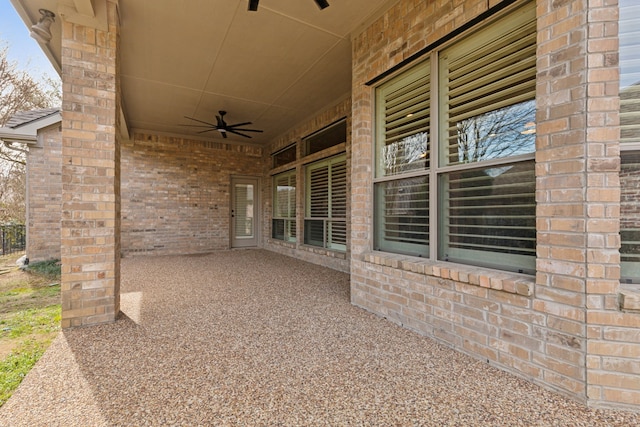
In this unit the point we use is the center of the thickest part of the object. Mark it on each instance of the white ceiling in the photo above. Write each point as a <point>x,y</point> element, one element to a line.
<point>274,67</point>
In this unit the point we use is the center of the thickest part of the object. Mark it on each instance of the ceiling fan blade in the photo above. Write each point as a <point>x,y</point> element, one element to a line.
<point>197,126</point>
<point>238,124</point>
<point>207,130</point>
<point>253,5</point>
<point>245,130</point>
<point>321,3</point>
<point>206,123</point>
<point>237,133</point>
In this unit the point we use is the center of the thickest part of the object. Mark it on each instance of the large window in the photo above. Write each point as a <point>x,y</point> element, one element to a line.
<point>629,34</point>
<point>283,226</point>
<point>325,222</point>
<point>477,172</point>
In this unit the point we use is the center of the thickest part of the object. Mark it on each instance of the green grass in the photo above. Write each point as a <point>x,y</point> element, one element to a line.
<point>29,319</point>
<point>15,367</point>
<point>49,268</point>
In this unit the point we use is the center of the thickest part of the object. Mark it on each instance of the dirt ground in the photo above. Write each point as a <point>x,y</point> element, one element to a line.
<point>21,291</point>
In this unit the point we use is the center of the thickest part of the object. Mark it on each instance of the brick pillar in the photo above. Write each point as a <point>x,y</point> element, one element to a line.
<point>613,350</point>
<point>562,177</point>
<point>90,229</point>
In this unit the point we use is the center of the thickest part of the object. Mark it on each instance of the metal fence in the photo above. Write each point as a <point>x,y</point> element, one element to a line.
<point>13,238</point>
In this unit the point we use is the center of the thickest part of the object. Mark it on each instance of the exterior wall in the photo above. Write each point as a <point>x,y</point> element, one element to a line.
<point>44,193</point>
<point>90,228</point>
<point>328,258</point>
<point>564,328</point>
<point>176,193</point>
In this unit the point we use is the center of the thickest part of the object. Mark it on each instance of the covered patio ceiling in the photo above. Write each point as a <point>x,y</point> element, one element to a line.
<point>274,67</point>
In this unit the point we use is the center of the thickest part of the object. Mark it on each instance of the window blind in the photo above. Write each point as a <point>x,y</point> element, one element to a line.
<point>284,209</point>
<point>487,92</point>
<point>489,214</point>
<point>404,109</point>
<point>325,222</point>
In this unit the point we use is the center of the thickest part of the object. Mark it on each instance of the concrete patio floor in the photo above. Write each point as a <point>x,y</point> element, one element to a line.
<point>254,338</point>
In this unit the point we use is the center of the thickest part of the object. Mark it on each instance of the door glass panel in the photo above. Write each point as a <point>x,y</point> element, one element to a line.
<point>244,211</point>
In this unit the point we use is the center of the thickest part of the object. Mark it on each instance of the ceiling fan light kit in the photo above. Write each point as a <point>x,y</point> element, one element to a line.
<point>253,4</point>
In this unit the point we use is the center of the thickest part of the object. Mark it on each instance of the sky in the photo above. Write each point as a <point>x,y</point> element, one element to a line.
<point>22,48</point>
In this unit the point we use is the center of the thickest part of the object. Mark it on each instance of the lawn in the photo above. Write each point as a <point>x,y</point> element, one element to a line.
<point>29,318</point>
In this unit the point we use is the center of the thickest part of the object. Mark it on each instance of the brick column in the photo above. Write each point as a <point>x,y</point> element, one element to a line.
<point>562,177</point>
<point>90,229</point>
<point>613,348</point>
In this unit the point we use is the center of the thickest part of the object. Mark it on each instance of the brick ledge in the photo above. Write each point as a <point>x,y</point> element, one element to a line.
<point>629,297</point>
<point>520,284</point>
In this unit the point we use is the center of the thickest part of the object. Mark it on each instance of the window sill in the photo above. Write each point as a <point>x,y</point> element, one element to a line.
<point>324,251</point>
<point>279,242</point>
<point>629,297</point>
<point>520,284</point>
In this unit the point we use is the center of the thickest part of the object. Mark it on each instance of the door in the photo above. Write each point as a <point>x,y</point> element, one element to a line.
<point>244,212</point>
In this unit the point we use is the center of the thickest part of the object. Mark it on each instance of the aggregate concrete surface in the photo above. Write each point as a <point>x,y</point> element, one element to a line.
<point>253,338</point>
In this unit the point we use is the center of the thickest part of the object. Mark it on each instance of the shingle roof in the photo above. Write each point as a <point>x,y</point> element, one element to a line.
<point>24,117</point>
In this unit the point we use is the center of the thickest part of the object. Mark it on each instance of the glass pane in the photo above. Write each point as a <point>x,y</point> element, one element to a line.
<point>402,216</point>
<point>403,108</point>
<point>629,33</point>
<point>277,229</point>
<point>509,131</point>
<point>314,232</point>
<point>285,156</point>
<point>244,211</point>
<point>326,138</point>
<point>285,195</point>
<point>488,217</point>
<point>630,217</point>
<point>487,92</point>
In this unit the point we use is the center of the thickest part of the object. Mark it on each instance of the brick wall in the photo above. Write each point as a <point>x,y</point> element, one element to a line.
<point>332,259</point>
<point>44,193</point>
<point>176,193</point>
<point>564,328</point>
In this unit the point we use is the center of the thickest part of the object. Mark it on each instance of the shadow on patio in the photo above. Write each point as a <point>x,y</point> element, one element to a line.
<point>254,338</point>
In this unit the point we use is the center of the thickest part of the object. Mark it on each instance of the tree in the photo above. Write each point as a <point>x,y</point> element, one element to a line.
<point>19,91</point>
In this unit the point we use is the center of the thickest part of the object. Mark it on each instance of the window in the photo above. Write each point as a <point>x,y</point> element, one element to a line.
<point>284,156</point>
<point>477,172</point>
<point>630,216</point>
<point>328,137</point>
<point>402,164</point>
<point>629,34</point>
<point>283,223</point>
<point>325,222</point>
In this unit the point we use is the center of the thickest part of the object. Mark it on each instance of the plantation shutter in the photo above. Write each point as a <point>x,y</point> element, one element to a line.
<point>339,203</point>
<point>487,105</point>
<point>404,108</point>
<point>629,34</point>
<point>481,77</point>
<point>285,195</point>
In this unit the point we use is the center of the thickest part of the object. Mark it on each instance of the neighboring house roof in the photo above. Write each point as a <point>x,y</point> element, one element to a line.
<point>23,126</point>
<point>25,117</point>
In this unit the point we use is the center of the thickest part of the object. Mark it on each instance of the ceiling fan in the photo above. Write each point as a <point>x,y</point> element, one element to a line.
<point>253,4</point>
<point>222,126</point>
